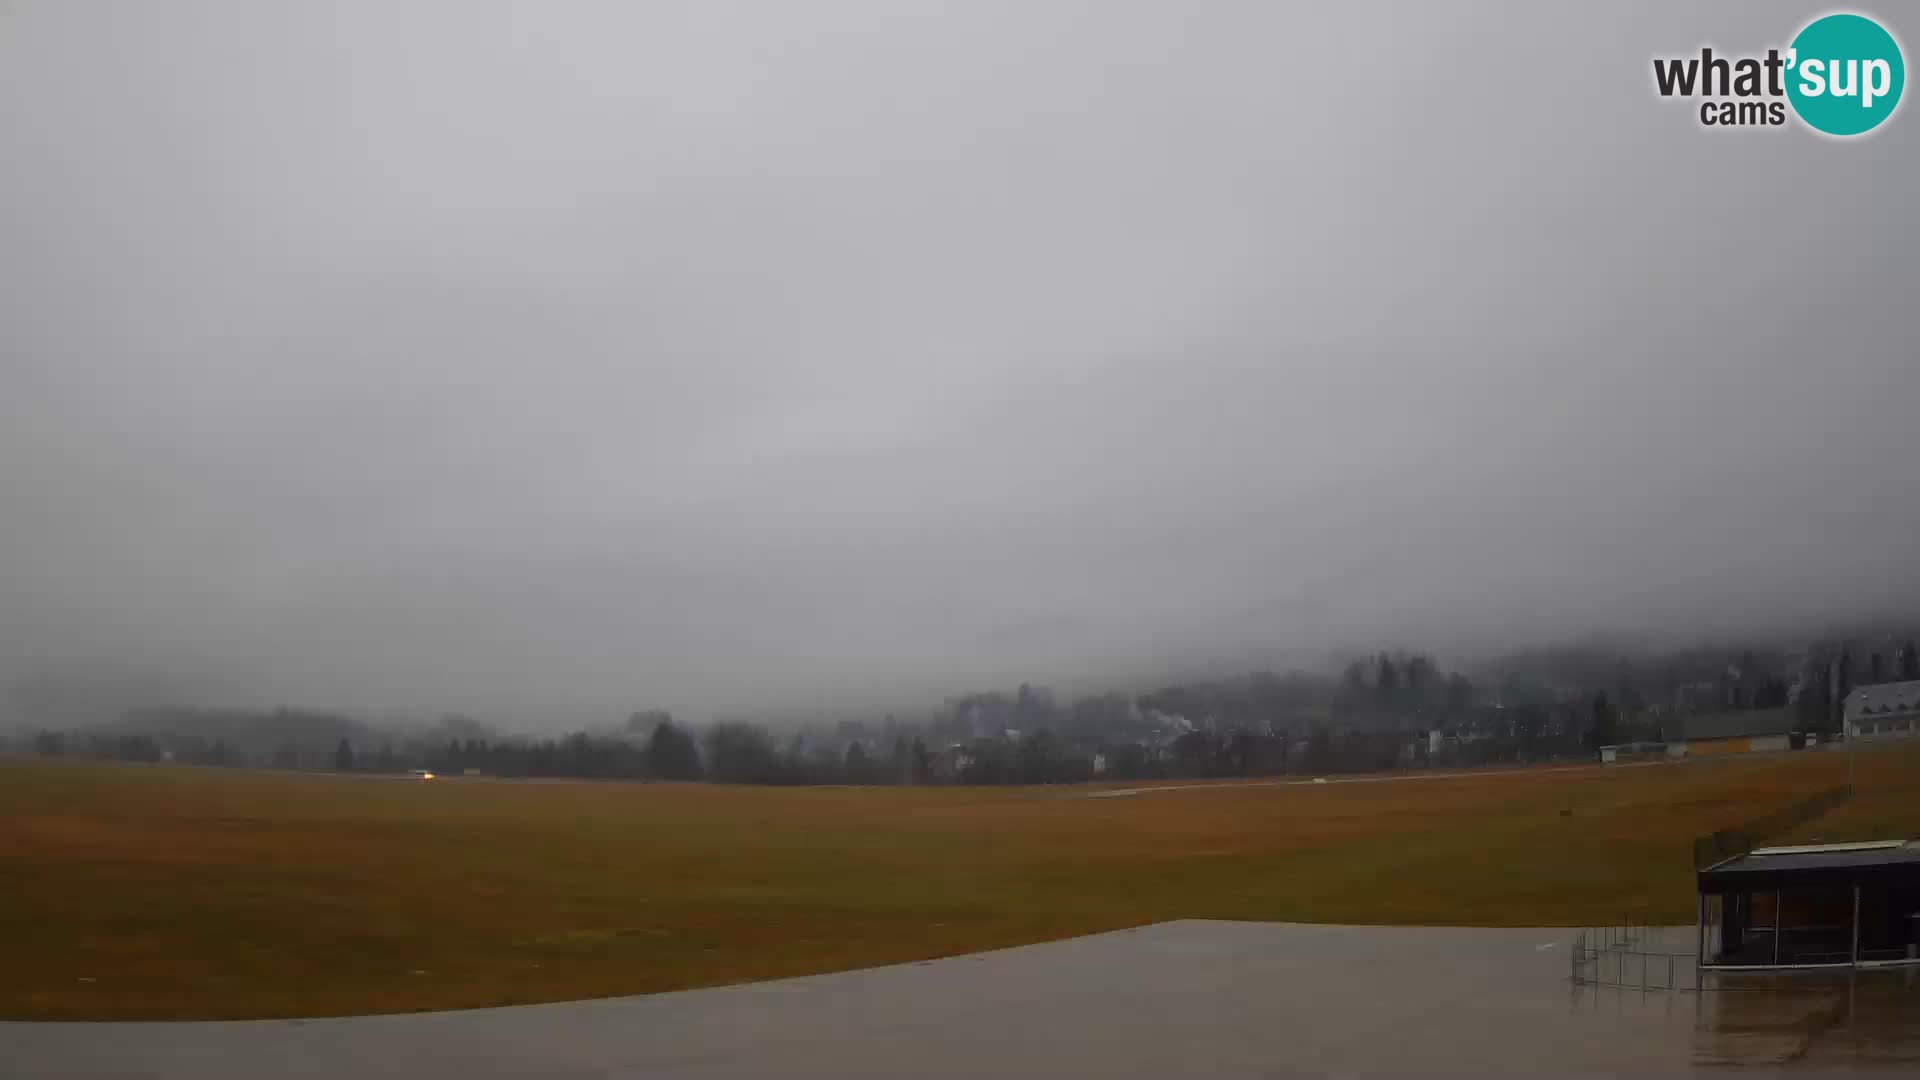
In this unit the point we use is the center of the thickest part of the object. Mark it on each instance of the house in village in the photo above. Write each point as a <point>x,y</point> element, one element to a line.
<point>950,765</point>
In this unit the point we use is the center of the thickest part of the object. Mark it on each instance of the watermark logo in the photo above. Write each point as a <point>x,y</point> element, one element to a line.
<point>1842,75</point>
<point>1849,74</point>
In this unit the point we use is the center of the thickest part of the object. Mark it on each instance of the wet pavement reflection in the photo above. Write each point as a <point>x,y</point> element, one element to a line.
<point>1839,1019</point>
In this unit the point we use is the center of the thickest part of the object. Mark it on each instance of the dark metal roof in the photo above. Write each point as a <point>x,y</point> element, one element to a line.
<point>1732,725</point>
<point>1832,864</point>
<point>1884,698</point>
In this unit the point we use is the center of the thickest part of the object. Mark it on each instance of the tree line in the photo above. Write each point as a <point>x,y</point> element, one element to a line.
<point>1382,711</point>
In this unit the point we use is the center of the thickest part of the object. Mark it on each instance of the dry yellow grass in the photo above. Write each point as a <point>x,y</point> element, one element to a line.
<point>158,892</point>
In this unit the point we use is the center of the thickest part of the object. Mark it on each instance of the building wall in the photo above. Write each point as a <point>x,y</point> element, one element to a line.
<point>1710,747</point>
<point>1885,727</point>
<point>1639,751</point>
<point>1740,744</point>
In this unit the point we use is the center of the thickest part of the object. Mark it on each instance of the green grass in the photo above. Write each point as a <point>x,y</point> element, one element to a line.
<point>160,892</point>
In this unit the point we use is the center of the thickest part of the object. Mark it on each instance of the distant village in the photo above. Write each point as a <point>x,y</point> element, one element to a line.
<point>1391,710</point>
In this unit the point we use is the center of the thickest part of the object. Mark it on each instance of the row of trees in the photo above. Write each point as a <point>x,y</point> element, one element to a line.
<point>735,752</point>
<point>747,753</point>
<point>1243,728</point>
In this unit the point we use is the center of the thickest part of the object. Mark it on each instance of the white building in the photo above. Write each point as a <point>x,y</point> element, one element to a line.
<point>1885,711</point>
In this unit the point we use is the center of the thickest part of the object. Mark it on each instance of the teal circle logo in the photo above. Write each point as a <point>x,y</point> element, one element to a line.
<point>1845,74</point>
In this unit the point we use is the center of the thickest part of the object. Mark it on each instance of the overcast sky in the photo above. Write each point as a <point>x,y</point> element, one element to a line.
<point>566,358</point>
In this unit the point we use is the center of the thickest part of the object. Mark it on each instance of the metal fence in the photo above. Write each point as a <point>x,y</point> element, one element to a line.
<point>1642,958</point>
<point>1741,839</point>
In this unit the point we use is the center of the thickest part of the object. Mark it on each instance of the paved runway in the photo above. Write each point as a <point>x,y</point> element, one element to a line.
<point>1177,999</point>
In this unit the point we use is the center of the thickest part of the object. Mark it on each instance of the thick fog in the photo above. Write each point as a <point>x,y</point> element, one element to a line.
<point>564,359</point>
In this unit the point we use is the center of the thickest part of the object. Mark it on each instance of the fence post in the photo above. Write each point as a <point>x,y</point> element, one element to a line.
<point>1855,959</point>
<point>1700,935</point>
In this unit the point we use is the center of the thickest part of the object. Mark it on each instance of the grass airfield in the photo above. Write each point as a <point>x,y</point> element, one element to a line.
<point>159,892</point>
